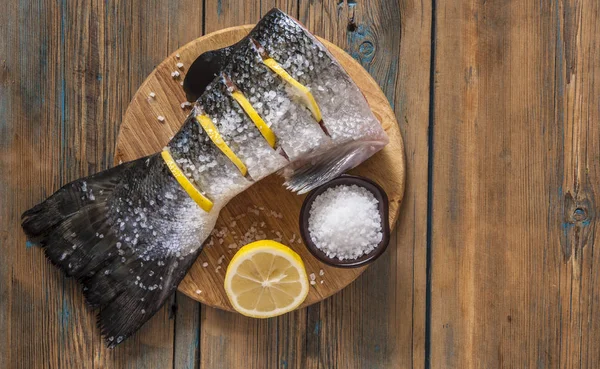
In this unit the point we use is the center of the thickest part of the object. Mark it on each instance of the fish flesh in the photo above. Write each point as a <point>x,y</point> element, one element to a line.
<point>280,103</point>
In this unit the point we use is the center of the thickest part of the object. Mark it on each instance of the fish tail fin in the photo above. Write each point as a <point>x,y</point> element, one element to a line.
<point>81,232</point>
<point>305,175</point>
<point>73,217</point>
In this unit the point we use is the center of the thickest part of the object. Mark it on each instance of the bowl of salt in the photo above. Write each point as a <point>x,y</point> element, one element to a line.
<point>345,223</point>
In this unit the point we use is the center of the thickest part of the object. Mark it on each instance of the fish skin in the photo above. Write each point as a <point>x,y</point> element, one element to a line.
<point>130,234</point>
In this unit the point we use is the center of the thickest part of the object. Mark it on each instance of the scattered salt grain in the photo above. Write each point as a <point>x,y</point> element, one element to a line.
<point>313,283</point>
<point>322,282</point>
<point>221,259</point>
<point>180,65</point>
<point>198,292</point>
<point>160,118</point>
<point>312,276</point>
<point>177,56</point>
<point>205,264</point>
<point>185,104</point>
<point>175,74</point>
<point>219,267</point>
<point>345,222</point>
<point>181,83</point>
<point>152,95</point>
<point>321,272</point>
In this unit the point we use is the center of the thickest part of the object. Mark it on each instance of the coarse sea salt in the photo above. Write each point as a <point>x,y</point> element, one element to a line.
<point>345,222</point>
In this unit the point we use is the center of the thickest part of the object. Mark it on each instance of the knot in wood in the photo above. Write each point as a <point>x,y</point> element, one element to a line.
<point>577,210</point>
<point>579,215</point>
<point>366,48</point>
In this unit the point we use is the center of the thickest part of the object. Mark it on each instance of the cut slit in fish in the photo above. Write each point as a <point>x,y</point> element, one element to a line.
<point>289,119</point>
<point>238,131</point>
<point>297,88</point>
<point>185,183</point>
<point>323,80</point>
<point>130,234</point>
<point>262,126</point>
<point>215,136</point>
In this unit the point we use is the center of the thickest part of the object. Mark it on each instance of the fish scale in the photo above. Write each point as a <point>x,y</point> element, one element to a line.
<point>130,234</point>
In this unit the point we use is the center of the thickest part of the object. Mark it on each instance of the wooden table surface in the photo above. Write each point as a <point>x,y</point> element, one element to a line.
<point>492,264</point>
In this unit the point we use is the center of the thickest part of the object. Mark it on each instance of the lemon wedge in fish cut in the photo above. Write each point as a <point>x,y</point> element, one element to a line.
<point>185,183</point>
<point>216,138</point>
<point>263,128</point>
<point>302,90</point>
<point>266,279</point>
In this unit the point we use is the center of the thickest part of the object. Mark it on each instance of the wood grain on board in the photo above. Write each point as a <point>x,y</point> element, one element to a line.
<point>516,173</point>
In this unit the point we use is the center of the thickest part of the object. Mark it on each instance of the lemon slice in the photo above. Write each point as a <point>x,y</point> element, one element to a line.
<point>308,99</point>
<point>185,183</point>
<point>263,128</point>
<point>266,279</point>
<point>214,135</point>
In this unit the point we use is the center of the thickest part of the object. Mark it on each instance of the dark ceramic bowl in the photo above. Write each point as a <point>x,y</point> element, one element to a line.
<point>379,194</point>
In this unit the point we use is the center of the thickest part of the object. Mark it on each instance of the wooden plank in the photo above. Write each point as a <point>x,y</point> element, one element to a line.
<point>187,333</point>
<point>229,340</point>
<point>67,73</point>
<point>185,24</point>
<point>392,41</point>
<point>222,13</point>
<point>138,51</point>
<point>31,304</point>
<point>515,174</point>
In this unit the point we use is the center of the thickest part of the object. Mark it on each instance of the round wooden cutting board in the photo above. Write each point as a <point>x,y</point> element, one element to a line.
<point>266,208</point>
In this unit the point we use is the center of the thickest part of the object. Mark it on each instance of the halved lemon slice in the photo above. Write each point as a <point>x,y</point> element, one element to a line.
<point>302,91</point>
<point>266,279</point>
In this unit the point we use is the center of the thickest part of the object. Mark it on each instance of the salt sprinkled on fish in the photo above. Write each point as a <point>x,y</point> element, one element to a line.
<point>154,208</point>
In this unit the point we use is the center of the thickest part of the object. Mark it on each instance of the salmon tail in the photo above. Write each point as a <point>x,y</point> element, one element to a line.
<point>307,174</point>
<point>91,230</point>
